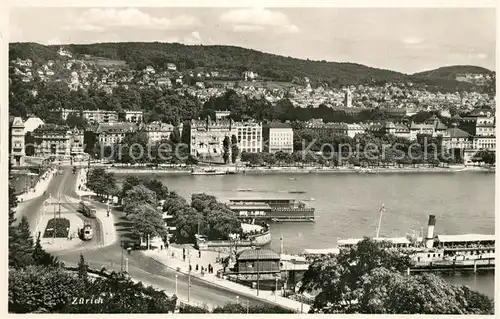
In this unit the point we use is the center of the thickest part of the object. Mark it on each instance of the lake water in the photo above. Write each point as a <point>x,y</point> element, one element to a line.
<point>347,205</point>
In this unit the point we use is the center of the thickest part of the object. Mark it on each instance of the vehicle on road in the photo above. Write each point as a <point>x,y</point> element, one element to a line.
<point>86,232</point>
<point>87,209</point>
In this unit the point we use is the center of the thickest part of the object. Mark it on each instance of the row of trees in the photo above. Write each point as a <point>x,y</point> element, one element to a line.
<point>363,150</point>
<point>204,215</point>
<point>101,182</point>
<point>370,278</point>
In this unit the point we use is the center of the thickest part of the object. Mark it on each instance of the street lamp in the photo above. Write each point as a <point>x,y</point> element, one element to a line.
<point>189,276</point>
<point>176,293</point>
<point>126,265</point>
<point>276,290</point>
<point>238,300</point>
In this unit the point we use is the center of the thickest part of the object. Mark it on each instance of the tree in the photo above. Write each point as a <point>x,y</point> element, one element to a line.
<point>75,120</point>
<point>226,148</point>
<point>137,196</point>
<point>101,182</point>
<point>41,257</point>
<point>20,245</point>
<point>82,269</point>
<point>370,278</point>
<point>235,151</point>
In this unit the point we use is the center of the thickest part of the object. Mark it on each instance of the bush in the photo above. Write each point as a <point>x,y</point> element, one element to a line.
<point>59,225</point>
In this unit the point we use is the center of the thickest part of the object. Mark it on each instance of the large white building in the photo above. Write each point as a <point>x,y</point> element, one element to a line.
<point>207,136</point>
<point>158,132</point>
<point>485,138</point>
<point>277,137</point>
<point>249,136</point>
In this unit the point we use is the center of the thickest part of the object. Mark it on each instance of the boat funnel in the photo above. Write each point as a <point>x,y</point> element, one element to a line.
<point>429,240</point>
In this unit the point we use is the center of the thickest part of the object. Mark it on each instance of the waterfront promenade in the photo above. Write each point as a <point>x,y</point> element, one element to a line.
<point>176,262</point>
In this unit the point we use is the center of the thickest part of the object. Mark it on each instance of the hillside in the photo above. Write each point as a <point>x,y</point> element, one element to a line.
<point>451,72</point>
<point>231,61</point>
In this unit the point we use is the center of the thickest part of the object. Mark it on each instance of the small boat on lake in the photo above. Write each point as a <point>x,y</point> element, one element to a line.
<point>208,171</point>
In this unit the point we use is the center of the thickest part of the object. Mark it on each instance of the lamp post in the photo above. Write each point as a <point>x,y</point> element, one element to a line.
<point>248,305</point>
<point>126,265</point>
<point>189,276</point>
<point>176,293</point>
<point>276,290</point>
<point>238,300</point>
<point>121,264</point>
<point>258,274</point>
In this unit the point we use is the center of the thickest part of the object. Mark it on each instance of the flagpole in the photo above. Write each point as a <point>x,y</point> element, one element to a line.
<point>380,220</point>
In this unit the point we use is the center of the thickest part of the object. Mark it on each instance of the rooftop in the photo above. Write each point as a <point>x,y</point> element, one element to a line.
<point>457,133</point>
<point>465,238</point>
<point>257,254</point>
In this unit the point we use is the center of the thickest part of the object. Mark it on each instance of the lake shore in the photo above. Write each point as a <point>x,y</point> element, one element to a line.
<point>296,170</point>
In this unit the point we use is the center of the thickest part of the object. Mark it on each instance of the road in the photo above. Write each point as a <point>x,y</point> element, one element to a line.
<point>140,267</point>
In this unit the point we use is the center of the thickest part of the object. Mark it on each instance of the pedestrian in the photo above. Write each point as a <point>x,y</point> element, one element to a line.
<point>190,267</point>
<point>199,253</point>
<point>184,257</point>
<point>196,269</point>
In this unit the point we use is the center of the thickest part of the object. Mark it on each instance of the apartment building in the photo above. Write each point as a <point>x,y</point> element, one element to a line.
<point>113,133</point>
<point>16,141</point>
<point>249,136</point>
<point>207,137</point>
<point>277,137</point>
<point>158,132</point>
<point>53,140</point>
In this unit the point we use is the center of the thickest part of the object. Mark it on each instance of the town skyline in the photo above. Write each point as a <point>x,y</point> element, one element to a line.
<point>415,46</point>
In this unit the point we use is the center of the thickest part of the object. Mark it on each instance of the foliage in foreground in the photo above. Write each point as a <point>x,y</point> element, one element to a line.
<point>368,278</point>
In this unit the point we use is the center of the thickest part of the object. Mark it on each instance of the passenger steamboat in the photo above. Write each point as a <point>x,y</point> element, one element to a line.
<point>441,251</point>
<point>271,209</point>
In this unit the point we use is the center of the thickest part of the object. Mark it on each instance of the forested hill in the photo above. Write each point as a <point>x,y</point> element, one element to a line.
<point>233,61</point>
<point>451,72</point>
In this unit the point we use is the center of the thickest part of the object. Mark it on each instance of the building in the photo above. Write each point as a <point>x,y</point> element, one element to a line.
<point>32,123</point>
<point>485,138</point>
<point>207,137</point>
<point>53,141</point>
<point>171,67</point>
<point>455,138</point>
<point>249,136</point>
<point>327,128</point>
<point>133,116</point>
<point>16,141</point>
<point>262,265</point>
<point>92,116</point>
<point>432,126</point>
<point>114,133</point>
<point>222,114</point>
<point>76,143</point>
<point>355,129</point>
<point>348,98</point>
<point>401,130</point>
<point>158,132</point>
<point>277,137</point>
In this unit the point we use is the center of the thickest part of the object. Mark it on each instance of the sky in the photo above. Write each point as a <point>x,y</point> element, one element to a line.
<point>407,40</point>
